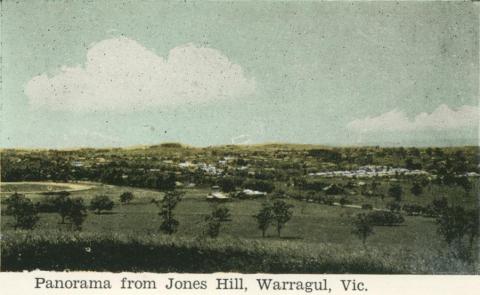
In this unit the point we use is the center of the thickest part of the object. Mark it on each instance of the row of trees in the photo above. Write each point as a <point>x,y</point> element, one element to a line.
<point>458,226</point>
<point>278,213</point>
<point>72,211</point>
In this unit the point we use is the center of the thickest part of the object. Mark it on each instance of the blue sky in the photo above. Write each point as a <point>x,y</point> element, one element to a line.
<point>120,73</point>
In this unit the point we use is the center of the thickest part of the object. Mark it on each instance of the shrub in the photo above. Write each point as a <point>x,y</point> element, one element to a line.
<point>367,206</point>
<point>215,219</point>
<point>439,205</point>
<point>126,197</point>
<point>101,203</point>
<point>416,189</point>
<point>456,223</point>
<point>413,209</point>
<point>344,201</point>
<point>362,227</point>
<point>77,212</point>
<point>394,206</point>
<point>329,200</point>
<point>259,185</point>
<point>23,211</point>
<point>385,218</point>
<point>395,191</point>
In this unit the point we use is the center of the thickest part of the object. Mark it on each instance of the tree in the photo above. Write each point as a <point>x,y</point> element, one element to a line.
<point>215,219</point>
<point>213,226</point>
<point>264,217</point>
<point>282,212</point>
<point>465,183</point>
<point>416,189</point>
<point>395,191</point>
<point>126,197</point>
<point>439,205</point>
<point>62,203</point>
<point>100,203</point>
<point>343,201</point>
<point>169,224</point>
<point>454,224</point>
<point>23,211</point>
<point>221,213</point>
<point>77,212</point>
<point>362,227</point>
<point>228,184</point>
<point>394,206</point>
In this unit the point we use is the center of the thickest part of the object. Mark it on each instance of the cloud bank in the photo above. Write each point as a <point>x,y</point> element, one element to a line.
<point>442,118</point>
<point>121,74</point>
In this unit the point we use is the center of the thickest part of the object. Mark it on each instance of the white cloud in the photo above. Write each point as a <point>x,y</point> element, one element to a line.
<point>442,118</point>
<point>121,74</point>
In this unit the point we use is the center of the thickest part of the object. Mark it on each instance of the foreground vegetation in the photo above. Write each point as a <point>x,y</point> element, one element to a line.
<point>54,250</point>
<point>248,209</point>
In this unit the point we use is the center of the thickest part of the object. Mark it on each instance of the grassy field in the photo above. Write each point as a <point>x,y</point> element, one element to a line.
<point>39,187</point>
<point>312,227</point>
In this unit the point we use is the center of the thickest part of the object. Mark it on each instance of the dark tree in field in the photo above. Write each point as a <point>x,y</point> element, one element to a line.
<point>375,184</point>
<point>395,191</point>
<point>213,226</point>
<point>439,205</point>
<point>416,189</point>
<point>126,197</point>
<point>454,225</point>
<point>169,224</point>
<point>23,211</point>
<point>362,227</point>
<point>215,219</point>
<point>343,201</point>
<point>101,203</point>
<point>62,204</point>
<point>77,213</point>
<point>221,213</point>
<point>394,206</point>
<point>282,212</point>
<point>227,184</point>
<point>465,183</point>
<point>264,217</point>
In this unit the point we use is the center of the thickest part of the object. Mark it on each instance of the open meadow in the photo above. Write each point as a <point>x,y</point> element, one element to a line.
<point>253,214</point>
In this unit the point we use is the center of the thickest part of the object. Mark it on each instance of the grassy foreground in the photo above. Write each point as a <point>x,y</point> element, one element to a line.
<point>57,250</point>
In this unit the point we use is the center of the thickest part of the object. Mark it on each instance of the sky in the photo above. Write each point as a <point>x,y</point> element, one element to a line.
<point>122,73</point>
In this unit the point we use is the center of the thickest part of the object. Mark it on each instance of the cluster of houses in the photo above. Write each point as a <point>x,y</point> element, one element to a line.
<point>217,195</point>
<point>370,171</point>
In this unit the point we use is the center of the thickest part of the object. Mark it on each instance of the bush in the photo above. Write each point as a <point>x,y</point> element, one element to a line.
<point>395,191</point>
<point>362,227</point>
<point>259,185</point>
<point>367,206</point>
<point>77,212</point>
<point>126,197</point>
<point>413,209</point>
<point>459,228</point>
<point>101,203</point>
<point>344,201</point>
<point>385,218</point>
<point>394,206</point>
<point>23,211</point>
<point>329,200</point>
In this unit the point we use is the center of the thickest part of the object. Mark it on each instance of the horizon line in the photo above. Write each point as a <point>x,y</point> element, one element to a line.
<point>146,146</point>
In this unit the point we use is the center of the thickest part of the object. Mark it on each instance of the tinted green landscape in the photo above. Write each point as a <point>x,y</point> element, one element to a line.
<point>358,209</point>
